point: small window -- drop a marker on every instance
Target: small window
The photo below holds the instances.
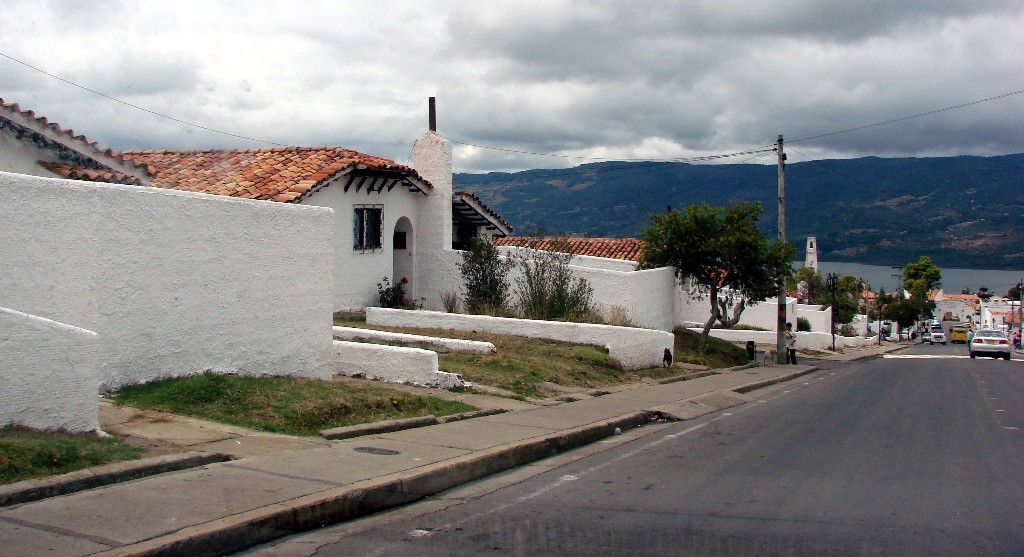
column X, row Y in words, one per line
column 399, row 240
column 368, row 227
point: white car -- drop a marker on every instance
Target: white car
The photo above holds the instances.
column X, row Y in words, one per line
column 937, row 336
column 990, row 342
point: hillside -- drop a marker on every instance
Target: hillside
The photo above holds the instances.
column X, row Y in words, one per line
column 962, row 211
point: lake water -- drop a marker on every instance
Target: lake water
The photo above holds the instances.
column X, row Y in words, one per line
column 953, row 280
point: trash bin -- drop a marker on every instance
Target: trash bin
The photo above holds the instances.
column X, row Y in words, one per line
column 751, row 350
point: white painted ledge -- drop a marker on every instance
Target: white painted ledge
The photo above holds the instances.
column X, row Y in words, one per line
column 393, row 364
column 804, row 340
column 632, row 347
column 437, row 344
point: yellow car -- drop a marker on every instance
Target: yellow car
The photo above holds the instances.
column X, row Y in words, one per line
column 958, row 334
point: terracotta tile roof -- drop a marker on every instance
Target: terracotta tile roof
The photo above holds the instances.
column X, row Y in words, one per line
column 26, row 122
column 969, row 299
column 627, row 249
column 284, row 174
column 89, row 174
column 479, row 206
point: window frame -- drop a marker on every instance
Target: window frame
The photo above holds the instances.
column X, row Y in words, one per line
column 363, row 239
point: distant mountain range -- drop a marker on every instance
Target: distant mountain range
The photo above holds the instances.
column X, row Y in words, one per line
column 961, row 211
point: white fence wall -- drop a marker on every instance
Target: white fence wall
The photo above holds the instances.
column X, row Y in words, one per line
column 804, row 340
column 819, row 319
column 441, row 345
column 174, row 283
column 395, row 364
column 48, row 374
column 633, row 348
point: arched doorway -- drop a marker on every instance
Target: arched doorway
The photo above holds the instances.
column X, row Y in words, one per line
column 402, row 257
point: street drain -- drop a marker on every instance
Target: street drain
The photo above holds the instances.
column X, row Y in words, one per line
column 375, row 450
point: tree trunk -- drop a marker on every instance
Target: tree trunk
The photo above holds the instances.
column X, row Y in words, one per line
column 702, row 344
column 729, row 323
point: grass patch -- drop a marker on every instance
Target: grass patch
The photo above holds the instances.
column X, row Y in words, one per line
column 720, row 353
column 28, row 453
column 281, row 404
column 521, row 363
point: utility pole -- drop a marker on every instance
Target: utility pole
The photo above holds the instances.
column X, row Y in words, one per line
column 781, row 354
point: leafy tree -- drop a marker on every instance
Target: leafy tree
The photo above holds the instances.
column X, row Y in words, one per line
column 816, row 289
column 486, row 277
column 921, row 277
column 984, row 295
column 546, row 287
column 904, row 312
column 1014, row 292
column 722, row 254
column 848, row 292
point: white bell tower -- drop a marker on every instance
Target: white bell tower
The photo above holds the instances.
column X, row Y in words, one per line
column 812, row 253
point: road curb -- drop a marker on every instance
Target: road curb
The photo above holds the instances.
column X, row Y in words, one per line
column 107, row 474
column 777, row 379
column 234, row 533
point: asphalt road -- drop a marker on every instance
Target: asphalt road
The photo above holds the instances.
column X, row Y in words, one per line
column 917, row 454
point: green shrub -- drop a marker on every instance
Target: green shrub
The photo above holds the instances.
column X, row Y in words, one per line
column 392, row 296
column 802, row 324
column 485, row 276
column 547, row 289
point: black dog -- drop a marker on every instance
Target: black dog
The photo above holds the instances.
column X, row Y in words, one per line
column 667, row 359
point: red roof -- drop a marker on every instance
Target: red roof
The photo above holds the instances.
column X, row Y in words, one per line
column 280, row 174
column 89, row 174
column 38, row 127
column 627, row 249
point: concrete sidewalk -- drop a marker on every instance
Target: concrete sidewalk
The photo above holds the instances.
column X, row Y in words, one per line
column 855, row 353
column 223, row 507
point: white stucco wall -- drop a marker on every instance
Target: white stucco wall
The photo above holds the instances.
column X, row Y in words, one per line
column 804, row 340
column 958, row 310
column 359, row 271
column 632, row 347
column 820, row 319
column 437, row 344
column 393, row 364
column 762, row 315
column 48, row 373
column 175, row 283
column 439, row 273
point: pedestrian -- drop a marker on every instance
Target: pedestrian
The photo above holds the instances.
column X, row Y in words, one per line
column 790, row 344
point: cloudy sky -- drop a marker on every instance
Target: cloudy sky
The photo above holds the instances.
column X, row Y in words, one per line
column 586, row 80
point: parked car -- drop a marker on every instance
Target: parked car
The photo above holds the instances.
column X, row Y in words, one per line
column 990, row 342
column 958, row 334
column 937, row 336
column 926, row 336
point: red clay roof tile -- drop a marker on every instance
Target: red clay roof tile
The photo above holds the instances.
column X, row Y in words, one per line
column 627, row 249
column 279, row 174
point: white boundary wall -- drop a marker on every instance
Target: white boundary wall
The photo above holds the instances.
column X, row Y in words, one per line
column 48, row 374
column 632, row 347
column 393, row 364
column 804, row 340
column 175, row 283
column 442, row 345
column 648, row 296
column 820, row 319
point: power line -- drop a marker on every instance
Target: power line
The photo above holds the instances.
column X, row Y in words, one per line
column 894, row 120
column 137, row 107
column 580, row 157
column 508, row 150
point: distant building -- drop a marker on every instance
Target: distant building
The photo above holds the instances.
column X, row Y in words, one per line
column 812, row 253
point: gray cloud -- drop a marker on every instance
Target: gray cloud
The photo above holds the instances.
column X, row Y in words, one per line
column 585, row 78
